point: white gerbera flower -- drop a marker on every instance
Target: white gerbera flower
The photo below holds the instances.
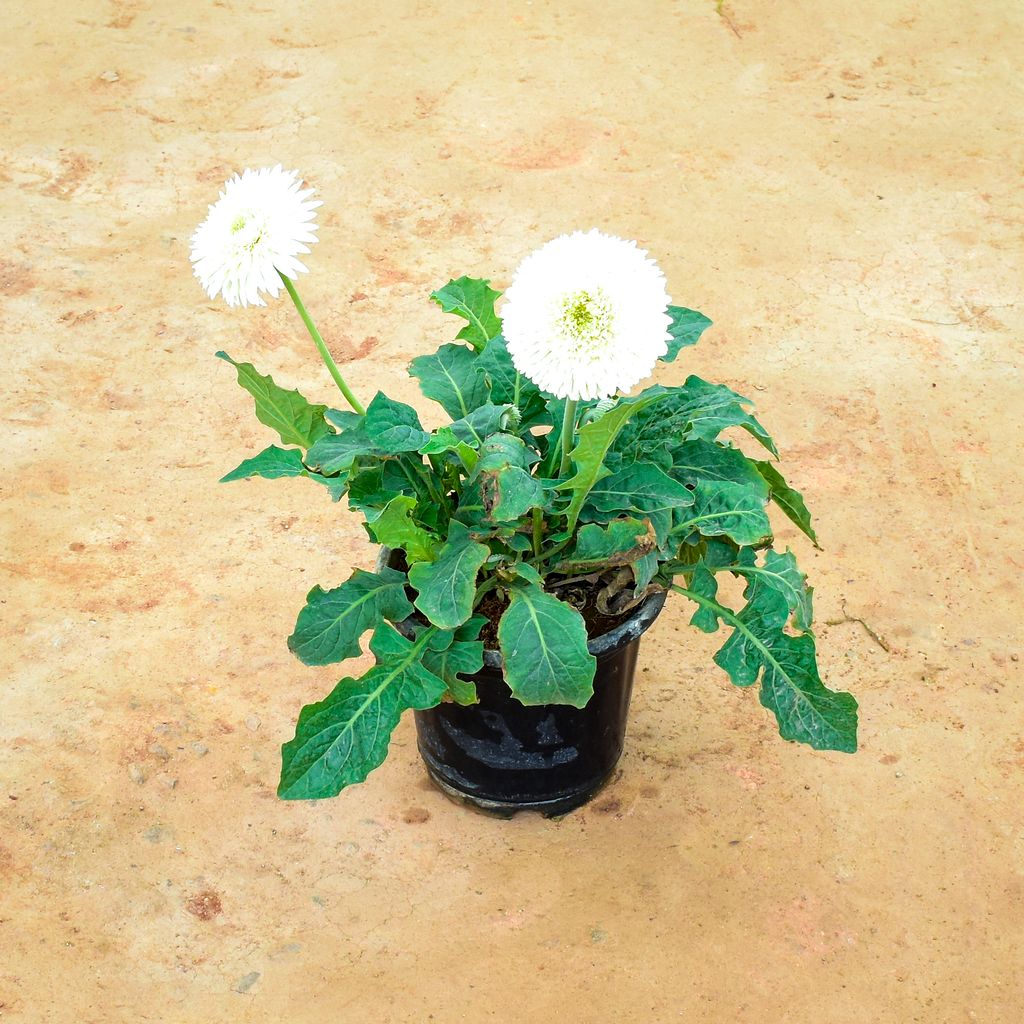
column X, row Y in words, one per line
column 258, row 226
column 585, row 315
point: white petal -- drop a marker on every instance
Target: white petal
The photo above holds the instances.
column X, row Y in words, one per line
column 585, row 315
column 261, row 222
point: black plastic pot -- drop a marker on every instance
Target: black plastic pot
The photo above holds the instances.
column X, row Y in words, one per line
column 501, row 757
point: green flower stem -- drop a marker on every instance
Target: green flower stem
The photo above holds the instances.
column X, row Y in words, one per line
column 538, row 531
column 568, row 435
column 414, row 471
column 436, row 472
column 328, row 359
column 427, row 477
column 537, row 563
column 483, row 590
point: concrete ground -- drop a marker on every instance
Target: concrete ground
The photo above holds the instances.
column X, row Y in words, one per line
column 837, row 185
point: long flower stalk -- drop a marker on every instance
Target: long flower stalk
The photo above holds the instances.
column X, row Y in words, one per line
column 568, row 438
column 325, row 354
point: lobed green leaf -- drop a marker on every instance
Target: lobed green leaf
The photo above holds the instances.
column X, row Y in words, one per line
column 393, row 426
column 329, row 626
column 473, row 300
column 621, row 542
column 341, row 739
column 335, row 453
column 787, row 498
column 641, row 487
column 447, row 586
column 686, row 328
column 452, row 378
column 593, row 443
column 453, row 654
column 274, row 463
column 296, row 421
column 733, row 510
column 394, row 527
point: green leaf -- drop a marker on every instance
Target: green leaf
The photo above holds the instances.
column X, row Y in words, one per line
column 588, row 455
column 705, row 464
column 519, row 542
column 644, row 570
column 525, row 571
column 732, row 510
column 393, row 426
column 272, row 463
column 443, row 440
column 686, row 328
column 394, row 527
column 343, row 419
column 330, row 625
column 340, row 740
column 703, row 582
column 712, row 408
column 473, row 300
column 452, row 654
column 543, row 643
column 446, row 587
column 371, row 487
column 503, row 378
column 501, row 488
column 697, row 409
column 641, row 486
column 779, row 572
column 790, row 684
column 621, row 542
column 452, row 378
column 335, row 453
column 295, row 420
column 483, row 421
column 789, row 500
column 805, row 709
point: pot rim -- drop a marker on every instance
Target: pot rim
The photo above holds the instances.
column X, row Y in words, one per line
column 625, row 633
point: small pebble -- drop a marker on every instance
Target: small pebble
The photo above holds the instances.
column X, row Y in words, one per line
column 200, row 749
column 110, row 76
column 159, row 750
column 137, row 774
column 246, row 983
column 252, row 723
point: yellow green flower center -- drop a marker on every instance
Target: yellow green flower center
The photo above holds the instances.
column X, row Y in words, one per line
column 250, row 224
column 586, row 318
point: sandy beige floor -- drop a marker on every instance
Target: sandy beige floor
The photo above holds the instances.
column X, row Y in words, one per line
column 837, row 185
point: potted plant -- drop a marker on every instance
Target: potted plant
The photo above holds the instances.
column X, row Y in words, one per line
column 529, row 540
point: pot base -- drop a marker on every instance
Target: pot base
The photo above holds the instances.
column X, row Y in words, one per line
column 505, row 809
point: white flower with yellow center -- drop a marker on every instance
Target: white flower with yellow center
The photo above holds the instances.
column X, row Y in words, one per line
column 253, row 234
column 585, row 316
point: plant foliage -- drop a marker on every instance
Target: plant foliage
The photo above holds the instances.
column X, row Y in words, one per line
column 656, row 495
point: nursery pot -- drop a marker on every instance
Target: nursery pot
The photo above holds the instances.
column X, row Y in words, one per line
column 501, row 757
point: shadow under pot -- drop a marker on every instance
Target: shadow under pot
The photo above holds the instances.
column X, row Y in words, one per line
column 500, row 756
